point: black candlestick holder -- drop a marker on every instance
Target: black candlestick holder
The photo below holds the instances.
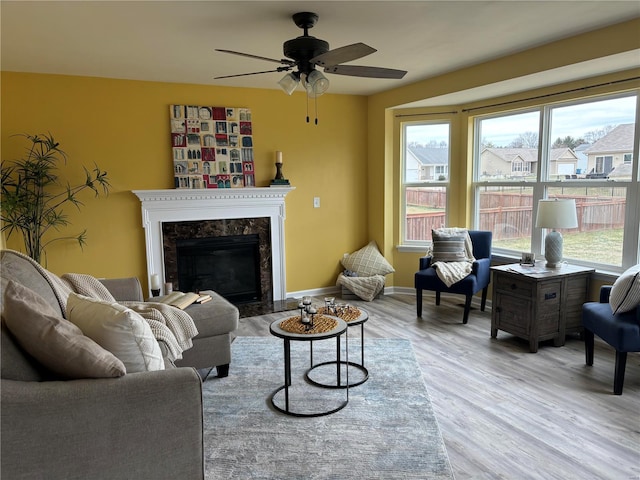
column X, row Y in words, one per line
column 279, row 178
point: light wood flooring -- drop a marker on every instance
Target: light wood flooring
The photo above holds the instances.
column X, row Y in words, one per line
column 506, row 413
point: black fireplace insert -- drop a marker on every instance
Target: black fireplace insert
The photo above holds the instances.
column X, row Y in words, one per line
column 229, row 265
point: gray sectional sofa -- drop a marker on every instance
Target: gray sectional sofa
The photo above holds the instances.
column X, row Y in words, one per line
column 139, row 425
column 215, row 320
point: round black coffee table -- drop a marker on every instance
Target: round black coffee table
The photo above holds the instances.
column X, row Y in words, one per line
column 283, row 405
column 360, row 320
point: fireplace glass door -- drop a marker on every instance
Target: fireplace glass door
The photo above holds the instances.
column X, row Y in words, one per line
column 229, row 265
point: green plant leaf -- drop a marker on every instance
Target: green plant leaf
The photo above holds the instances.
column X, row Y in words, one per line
column 31, row 204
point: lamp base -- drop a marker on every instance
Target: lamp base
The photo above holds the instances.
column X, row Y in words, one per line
column 553, row 249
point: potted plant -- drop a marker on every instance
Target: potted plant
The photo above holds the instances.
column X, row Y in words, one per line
column 33, row 197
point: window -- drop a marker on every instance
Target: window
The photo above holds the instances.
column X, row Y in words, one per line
column 441, row 170
column 604, row 164
column 425, row 179
column 582, row 150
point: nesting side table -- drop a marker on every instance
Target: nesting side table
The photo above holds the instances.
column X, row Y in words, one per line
column 360, row 320
column 538, row 303
column 284, row 406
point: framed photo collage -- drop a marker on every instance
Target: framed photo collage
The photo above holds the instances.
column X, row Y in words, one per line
column 212, row 147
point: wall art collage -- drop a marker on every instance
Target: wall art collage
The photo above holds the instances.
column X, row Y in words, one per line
column 212, row 147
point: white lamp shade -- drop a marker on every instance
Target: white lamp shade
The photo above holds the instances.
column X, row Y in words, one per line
column 316, row 83
column 557, row 214
column 288, row 83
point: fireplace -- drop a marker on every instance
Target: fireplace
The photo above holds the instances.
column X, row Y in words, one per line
column 172, row 215
column 220, row 255
column 229, row 265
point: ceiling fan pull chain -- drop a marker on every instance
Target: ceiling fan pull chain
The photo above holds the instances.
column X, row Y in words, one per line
column 316, row 104
column 307, row 96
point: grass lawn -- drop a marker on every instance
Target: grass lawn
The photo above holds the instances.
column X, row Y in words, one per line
column 423, row 209
column 604, row 246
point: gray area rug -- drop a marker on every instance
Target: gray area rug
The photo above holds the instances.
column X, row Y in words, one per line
column 387, row 430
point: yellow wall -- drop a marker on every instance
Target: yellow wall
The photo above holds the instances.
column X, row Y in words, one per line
column 123, row 126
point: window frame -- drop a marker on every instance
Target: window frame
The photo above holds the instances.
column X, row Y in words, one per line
column 543, row 181
column 404, row 184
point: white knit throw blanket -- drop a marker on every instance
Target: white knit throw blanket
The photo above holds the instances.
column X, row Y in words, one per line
column 452, row 272
column 364, row 287
column 169, row 324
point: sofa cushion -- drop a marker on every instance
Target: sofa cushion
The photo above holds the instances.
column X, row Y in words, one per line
column 15, row 363
column 367, row 261
column 625, row 293
column 56, row 343
column 118, row 329
column 24, row 272
column 217, row 317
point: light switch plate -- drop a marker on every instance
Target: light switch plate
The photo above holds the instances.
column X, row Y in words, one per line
column 316, row 202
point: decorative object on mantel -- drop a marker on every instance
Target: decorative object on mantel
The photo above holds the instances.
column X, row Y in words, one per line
column 212, row 147
column 279, row 179
column 555, row 214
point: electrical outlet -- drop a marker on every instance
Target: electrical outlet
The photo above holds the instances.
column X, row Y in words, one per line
column 316, row 202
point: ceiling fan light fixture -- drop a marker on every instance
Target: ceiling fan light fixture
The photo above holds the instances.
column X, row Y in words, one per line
column 288, row 83
column 316, row 83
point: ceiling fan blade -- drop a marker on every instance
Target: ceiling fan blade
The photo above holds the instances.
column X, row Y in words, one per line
column 343, row 54
column 279, row 69
column 362, row 71
column 257, row 57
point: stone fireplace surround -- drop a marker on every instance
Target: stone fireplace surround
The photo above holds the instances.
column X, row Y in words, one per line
column 162, row 206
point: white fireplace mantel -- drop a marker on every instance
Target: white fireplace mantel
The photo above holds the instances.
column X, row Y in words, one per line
column 160, row 206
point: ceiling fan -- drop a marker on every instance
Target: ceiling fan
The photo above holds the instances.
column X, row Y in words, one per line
column 305, row 53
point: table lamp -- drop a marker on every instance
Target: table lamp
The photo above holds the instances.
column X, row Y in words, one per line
column 555, row 214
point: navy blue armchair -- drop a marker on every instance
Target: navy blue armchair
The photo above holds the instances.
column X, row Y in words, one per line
column 621, row 331
column 479, row 278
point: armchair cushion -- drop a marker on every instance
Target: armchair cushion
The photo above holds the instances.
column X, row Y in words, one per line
column 118, row 329
column 625, row 293
column 451, row 245
column 56, row 343
column 621, row 331
column 368, row 261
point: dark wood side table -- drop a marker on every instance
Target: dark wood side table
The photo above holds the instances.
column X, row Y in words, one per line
column 538, row 303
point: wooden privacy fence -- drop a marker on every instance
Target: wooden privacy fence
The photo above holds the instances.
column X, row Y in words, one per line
column 511, row 216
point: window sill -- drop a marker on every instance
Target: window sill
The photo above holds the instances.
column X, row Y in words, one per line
column 411, row 248
column 606, row 276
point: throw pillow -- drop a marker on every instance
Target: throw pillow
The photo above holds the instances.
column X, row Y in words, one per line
column 367, row 261
column 448, row 246
column 56, row 343
column 625, row 293
column 118, row 329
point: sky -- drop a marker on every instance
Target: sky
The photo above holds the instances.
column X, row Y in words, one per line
column 571, row 120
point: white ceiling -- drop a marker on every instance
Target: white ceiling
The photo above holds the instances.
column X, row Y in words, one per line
column 174, row 41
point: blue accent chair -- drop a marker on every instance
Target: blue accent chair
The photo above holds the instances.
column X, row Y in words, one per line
column 479, row 278
column 621, row 331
